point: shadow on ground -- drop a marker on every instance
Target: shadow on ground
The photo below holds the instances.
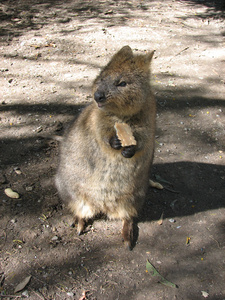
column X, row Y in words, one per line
column 79, row 262
column 36, row 237
column 23, row 16
column 214, row 6
column 37, row 225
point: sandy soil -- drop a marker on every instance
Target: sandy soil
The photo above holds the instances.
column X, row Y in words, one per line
column 50, row 52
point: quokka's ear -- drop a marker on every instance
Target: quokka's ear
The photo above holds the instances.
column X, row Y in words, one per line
column 143, row 61
column 124, row 52
column 148, row 57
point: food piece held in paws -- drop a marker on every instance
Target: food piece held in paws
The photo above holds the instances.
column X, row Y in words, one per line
column 124, row 134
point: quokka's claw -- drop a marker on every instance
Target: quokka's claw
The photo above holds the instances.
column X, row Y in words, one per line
column 128, row 246
column 80, row 226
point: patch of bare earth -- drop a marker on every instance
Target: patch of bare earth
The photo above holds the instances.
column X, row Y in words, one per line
column 50, row 51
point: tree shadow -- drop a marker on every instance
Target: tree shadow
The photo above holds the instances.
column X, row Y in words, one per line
column 83, row 264
column 215, row 9
column 37, row 155
column 23, row 16
column 190, row 188
column 216, row 5
column 20, row 17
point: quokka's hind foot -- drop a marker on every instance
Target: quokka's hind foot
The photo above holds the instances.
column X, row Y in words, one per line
column 80, row 226
column 127, row 233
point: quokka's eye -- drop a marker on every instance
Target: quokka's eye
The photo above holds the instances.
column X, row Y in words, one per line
column 122, row 83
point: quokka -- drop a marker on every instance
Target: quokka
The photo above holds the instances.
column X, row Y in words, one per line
column 96, row 172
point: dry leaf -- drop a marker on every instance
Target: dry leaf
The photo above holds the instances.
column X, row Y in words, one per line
column 160, row 221
column 205, row 294
column 83, row 297
column 22, row 284
column 188, row 240
column 153, row 272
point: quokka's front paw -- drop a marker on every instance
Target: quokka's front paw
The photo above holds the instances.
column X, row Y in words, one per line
column 128, row 151
column 115, row 143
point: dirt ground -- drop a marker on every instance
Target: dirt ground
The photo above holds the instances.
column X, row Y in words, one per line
column 50, row 52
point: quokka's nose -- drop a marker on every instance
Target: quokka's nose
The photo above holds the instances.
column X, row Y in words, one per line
column 99, row 96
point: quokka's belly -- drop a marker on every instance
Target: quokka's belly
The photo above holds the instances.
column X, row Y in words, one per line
column 113, row 190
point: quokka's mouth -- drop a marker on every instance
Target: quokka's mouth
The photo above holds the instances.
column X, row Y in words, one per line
column 100, row 105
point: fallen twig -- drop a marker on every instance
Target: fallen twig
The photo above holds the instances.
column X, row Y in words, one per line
column 181, row 51
column 10, row 296
column 172, row 191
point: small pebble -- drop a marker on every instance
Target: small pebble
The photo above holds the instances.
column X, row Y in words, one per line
column 17, row 171
column 172, row 221
column 29, row 188
column 11, row 194
column 39, row 129
column 25, row 294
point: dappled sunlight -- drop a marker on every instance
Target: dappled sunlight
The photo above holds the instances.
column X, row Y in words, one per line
column 50, row 53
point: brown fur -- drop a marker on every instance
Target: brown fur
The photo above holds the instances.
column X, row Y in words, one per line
column 93, row 176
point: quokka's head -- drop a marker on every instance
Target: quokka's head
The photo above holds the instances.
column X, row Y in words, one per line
column 123, row 86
